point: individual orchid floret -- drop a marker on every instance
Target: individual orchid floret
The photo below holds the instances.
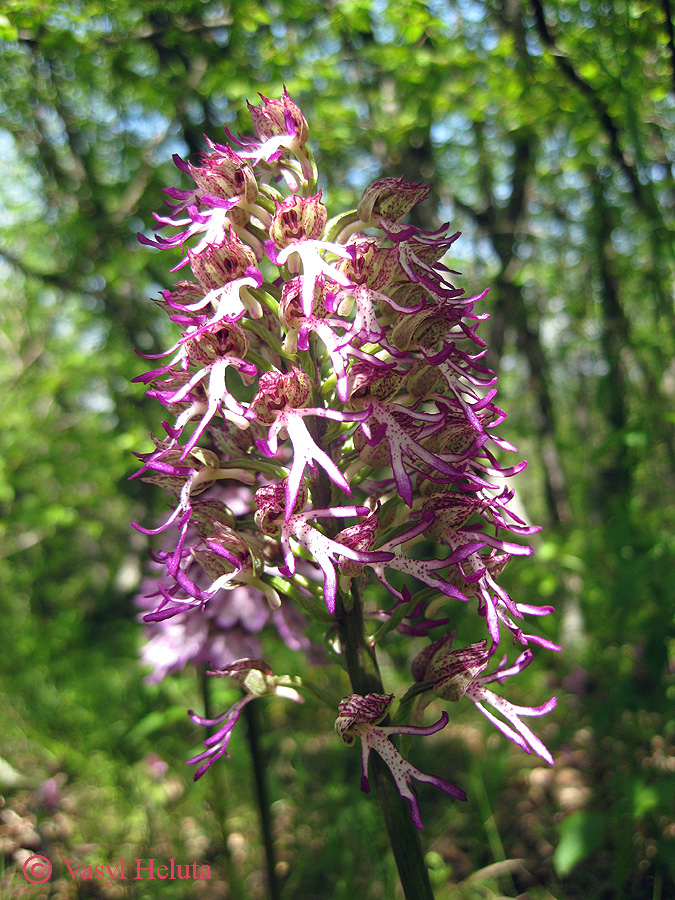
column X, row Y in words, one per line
column 453, row 674
column 257, row 679
column 226, row 558
column 205, row 342
column 366, row 326
column 222, row 174
column 452, row 510
column 229, row 302
column 278, row 404
column 335, row 334
column 400, row 432
column 358, row 717
column 419, row 255
column 326, row 551
column 280, row 128
column 211, row 226
column 234, row 558
column 223, row 347
column 281, row 117
column 298, row 218
column 226, row 197
column 449, row 672
column 428, row 327
column 475, row 574
column 425, row 570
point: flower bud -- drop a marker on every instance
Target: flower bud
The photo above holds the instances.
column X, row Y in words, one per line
column 279, row 117
column 390, row 199
column 253, row 675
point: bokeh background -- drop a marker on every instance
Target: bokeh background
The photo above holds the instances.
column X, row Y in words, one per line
column 546, row 130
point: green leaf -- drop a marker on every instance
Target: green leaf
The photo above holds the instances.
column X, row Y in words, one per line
column 645, row 798
column 8, row 32
column 580, row 835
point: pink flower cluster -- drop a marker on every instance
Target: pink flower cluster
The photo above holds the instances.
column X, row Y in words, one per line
column 330, row 373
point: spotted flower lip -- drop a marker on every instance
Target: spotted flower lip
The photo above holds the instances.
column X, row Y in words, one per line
column 453, row 674
column 358, row 717
column 305, row 449
column 325, row 551
column 314, row 265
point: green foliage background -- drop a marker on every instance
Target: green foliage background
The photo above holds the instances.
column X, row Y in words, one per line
column 546, row 131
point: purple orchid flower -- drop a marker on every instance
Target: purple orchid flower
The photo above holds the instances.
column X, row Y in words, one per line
column 258, row 680
column 358, row 717
column 321, row 359
column 453, row 674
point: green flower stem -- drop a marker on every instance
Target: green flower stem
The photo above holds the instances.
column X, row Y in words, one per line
column 262, row 798
column 364, row 675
